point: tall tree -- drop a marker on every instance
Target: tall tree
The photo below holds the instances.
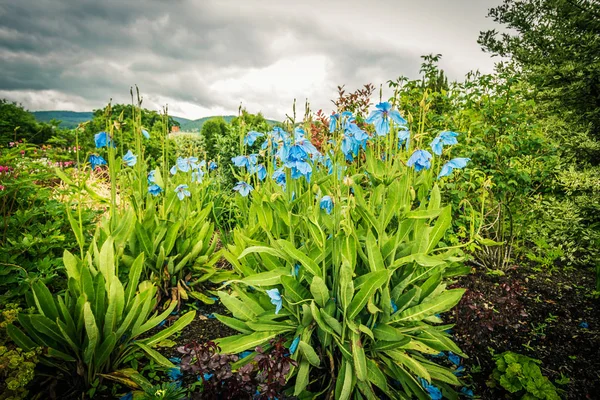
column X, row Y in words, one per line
column 556, row 45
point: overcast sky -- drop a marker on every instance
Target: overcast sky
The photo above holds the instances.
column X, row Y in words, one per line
column 206, row 57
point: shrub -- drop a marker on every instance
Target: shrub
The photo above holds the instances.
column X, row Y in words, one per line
column 339, row 254
column 520, row 374
column 91, row 329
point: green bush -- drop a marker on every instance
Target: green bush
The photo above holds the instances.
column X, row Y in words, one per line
column 354, row 284
column 34, row 227
column 16, row 366
column 91, row 329
column 522, row 375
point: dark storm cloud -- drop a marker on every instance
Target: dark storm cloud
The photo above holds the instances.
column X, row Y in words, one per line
column 179, row 49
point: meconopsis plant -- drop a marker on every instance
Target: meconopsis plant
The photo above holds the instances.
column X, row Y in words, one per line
column 343, row 251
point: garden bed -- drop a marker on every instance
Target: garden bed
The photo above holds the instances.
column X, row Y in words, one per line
column 550, row 317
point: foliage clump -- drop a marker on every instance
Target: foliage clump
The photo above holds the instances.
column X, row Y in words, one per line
column 522, row 375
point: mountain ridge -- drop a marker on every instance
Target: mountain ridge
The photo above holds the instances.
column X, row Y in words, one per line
column 71, row 119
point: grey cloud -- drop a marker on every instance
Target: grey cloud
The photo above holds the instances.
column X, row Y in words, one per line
column 177, row 49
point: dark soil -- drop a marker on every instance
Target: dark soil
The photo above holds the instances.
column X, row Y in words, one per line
column 203, row 328
column 537, row 314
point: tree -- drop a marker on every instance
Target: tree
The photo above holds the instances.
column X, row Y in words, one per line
column 556, row 45
column 212, row 130
column 16, row 123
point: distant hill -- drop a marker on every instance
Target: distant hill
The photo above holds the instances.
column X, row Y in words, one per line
column 196, row 125
column 181, row 120
column 70, row 119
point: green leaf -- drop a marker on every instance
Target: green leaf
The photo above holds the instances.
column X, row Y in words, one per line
column 155, row 355
column 21, row 339
column 310, row 354
column 134, row 278
column 375, row 258
column 375, row 375
column 360, row 299
column 319, row 290
column 238, row 343
column 105, row 350
column 93, row 335
column 236, row 307
column 130, row 378
column 294, row 290
column 295, row 254
column 107, row 260
column 347, row 382
column 44, row 300
column 441, row 303
column 269, row 278
column 181, row 323
column 439, row 229
column 171, row 236
column 410, row 363
column 302, row 377
column 261, row 249
column 233, row 323
column 358, row 355
column 71, row 264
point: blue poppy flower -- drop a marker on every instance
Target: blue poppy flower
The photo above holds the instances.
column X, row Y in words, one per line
column 182, row 191
column 453, row 164
column 307, row 146
column 295, row 270
column 459, row 371
column 381, row 118
column 175, row 360
column 187, row 164
column 433, row 391
column 294, row 345
column 453, row 358
column 584, row 325
column 207, row 376
column 174, row 373
column 197, row 175
column 466, row 391
column 244, row 354
column 333, row 119
column 326, row 204
column 444, row 138
column 296, row 153
column 251, row 137
column 212, row 165
column 130, row 159
column 278, row 134
column 145, row 134
column 154, row 190
column 279, row 177
column 354, row 139
column 151, row 177
column 300, row 169
column 245, row 161
column 243, row 188
column 275, row 299
column 394, row 306
column 127, row 396
column 96, row 161
column 173, row 170
column 102, row 139
column 420, row 159
column 403, row 137
column 261, row 172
